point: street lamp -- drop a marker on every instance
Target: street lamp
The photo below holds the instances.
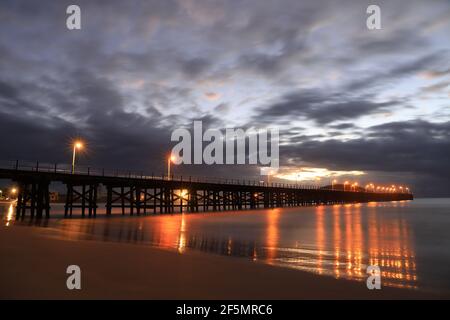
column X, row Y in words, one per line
column 170, row 159
column 77, row 145
column 332, row 184
column 13, row 192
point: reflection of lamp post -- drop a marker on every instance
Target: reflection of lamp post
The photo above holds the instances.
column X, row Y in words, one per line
column 76, row 145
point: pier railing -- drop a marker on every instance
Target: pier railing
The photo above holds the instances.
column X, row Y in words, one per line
column 64, row 168
column 135, row 192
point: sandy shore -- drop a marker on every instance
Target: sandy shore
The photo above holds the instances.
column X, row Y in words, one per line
column 33, row 266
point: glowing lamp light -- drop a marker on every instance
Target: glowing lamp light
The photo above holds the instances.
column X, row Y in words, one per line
column 78, row 145
column 171, row 159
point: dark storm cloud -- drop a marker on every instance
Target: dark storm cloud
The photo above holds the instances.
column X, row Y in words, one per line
column 7, row 91
column 345, row 125
column 114, row 136
column 270, row 64
column 400, row 41
column 196, row 66
column 419, row 149
column 399, row 146
column 385, row 76
column 322, row 109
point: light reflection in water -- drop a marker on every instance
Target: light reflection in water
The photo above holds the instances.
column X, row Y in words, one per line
column 182, row 237
column 9, row 215
column 320, row 229
column 272, row 235
column 338, row 240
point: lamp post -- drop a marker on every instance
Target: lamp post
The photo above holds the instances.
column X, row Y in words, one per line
column 170, row 159
column 13, row 192
column 76, row 145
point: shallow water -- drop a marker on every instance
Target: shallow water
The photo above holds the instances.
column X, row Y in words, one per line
column 408, row 240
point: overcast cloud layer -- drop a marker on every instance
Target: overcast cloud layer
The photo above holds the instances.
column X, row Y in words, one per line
column 345, row 98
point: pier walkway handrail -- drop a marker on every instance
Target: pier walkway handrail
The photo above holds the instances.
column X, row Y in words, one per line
column 82, row 170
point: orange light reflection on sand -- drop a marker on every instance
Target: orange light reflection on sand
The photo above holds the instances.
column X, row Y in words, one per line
column 272, row 234
column 320, row 237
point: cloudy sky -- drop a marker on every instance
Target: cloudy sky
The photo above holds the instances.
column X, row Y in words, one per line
column 350, row 103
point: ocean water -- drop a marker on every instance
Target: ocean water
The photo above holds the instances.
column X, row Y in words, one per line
column 408, row 240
